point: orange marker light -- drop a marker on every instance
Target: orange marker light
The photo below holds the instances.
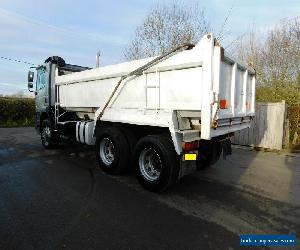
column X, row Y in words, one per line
column 224, row 104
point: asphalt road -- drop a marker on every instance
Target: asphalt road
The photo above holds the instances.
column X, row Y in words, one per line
column 59, row 199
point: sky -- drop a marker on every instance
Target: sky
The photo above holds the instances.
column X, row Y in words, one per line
column 32, row 31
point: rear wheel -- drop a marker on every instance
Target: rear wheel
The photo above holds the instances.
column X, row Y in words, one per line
column 48, row 138
column 112, row 151
column 156, row 162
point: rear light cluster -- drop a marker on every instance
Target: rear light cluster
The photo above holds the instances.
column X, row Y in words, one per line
column 188, row 146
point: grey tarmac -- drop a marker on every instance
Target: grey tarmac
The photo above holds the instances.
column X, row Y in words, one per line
column 59, row 199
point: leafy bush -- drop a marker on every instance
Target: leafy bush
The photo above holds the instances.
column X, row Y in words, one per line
column 293, row 115
column 276, row 93
column 15, row 112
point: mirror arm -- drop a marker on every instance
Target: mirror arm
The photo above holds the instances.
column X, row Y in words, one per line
column 32, row 91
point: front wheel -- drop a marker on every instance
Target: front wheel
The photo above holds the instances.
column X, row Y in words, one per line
column 156, row 161
column 48, row 138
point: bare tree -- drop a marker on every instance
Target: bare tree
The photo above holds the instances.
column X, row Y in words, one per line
column 282, row 52
column 223, row 32
column 166, row 27
column 248, row 48
column 277, row 58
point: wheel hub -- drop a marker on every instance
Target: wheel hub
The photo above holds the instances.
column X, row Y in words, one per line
column 46, row 135
column 150, row 164
column 107, row 151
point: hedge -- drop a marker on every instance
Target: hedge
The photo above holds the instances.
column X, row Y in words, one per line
column 16, row 112
column 293, row 115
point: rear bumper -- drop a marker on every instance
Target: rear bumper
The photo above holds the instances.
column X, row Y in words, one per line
column 226, row 128
column 190, row 166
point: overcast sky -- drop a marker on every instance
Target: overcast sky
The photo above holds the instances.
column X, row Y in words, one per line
column 75, row 30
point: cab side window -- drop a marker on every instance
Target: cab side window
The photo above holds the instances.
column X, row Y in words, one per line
column 41, row 79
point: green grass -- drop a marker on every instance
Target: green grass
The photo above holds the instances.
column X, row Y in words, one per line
column 19, row 123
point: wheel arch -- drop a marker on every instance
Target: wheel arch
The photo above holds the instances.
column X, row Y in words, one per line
column 44, row 116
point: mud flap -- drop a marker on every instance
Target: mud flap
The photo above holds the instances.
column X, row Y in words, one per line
column 186, row 168
column 226, row 147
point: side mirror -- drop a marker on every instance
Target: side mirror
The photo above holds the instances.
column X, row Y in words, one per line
column 30, row 77
column 30, row 85
column 30, row 81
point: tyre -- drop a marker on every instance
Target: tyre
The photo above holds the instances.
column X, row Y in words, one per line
column 209, row 154
column 156, row 162
column 48, row 138
column 112, row 151
column 130, row 138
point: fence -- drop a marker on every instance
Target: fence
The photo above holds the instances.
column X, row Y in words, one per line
column 268, row 129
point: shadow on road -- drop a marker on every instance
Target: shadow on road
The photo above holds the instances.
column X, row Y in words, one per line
column 250, row 192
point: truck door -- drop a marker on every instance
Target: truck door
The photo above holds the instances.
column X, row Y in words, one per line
column 42, row 99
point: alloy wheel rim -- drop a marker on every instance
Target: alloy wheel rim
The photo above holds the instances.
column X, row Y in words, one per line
column 150, row 164
column 107, row 151
column 46, row 135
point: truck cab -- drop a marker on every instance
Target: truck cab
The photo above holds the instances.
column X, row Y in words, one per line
column 44, row 89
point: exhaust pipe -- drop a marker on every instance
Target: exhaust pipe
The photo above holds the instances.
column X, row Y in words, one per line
column 98, row 59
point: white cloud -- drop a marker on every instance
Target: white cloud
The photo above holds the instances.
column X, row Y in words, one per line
column 33, row 30
column 48, row 33
column 32, row 40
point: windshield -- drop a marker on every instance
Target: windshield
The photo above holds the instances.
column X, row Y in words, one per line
column 41, row 79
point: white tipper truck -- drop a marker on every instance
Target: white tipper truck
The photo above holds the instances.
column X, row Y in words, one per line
column 164, row 116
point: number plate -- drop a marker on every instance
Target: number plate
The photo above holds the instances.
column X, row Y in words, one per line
column 190, row 157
